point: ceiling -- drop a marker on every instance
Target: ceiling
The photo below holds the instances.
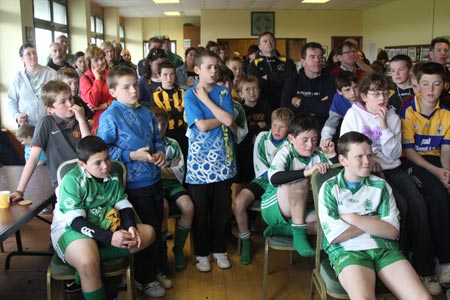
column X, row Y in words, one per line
column 192, row 8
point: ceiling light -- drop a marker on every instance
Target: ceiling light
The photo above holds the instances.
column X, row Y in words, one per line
column 166, row 1
column 172, row 13
column 315, row 1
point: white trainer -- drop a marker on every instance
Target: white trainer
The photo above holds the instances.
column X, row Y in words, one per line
column 152, row 289
column 431, row 283
column 203, row 264
column 164, row 281
column 221, row 260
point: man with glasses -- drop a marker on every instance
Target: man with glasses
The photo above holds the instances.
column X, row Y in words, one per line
column 348, row 56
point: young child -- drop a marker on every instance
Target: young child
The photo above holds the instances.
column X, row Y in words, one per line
column 257, row 111
column 172, row 175
column 170, row 97
column 57, row 134
column 24, row 134
column 284, row 205
column 346, row 94
column 70, row 76
column 131, row 133
column 266, row 144
column 401, row 66
column 426, row 145
column 360, row 222
column 211, row 162
column 236, row 65
column 372, row 116
column 94, row 217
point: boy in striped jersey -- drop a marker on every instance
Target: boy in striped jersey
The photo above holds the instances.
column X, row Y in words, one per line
column 360, row 222
column 284, row 205
column 266, row 144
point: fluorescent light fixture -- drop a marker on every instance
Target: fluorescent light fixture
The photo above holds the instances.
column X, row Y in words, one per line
column 315, row 1
column 166, row 1
column 172, row 13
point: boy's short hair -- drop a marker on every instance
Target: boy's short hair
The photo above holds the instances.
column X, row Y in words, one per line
column 231, row 59
column 25, row 131
column 430, row 68
column 282, row 114
column 51, row 90
column 211, row 44
column 66, row 73
column 345, row 78
column 118, row 72
column 349, row 138
column 310, row 45
column 225, row 75
column 186, row 52
column 23, row 47
column 303, row 122
column 415, row 69
column 204, row 53
column 77, row 55
column 160, row 114
column 373, row 81
column 165, row 65
column 438, row 40
column 340, row 47
column 247, row 79
column 89, row 146
column 405, row 58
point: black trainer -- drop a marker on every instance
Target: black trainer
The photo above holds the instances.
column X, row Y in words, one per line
column 70, row 286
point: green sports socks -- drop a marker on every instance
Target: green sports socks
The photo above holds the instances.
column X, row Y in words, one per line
column 301, row 243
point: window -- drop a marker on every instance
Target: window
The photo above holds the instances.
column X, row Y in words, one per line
column 50, row 21
column 97, row 35
column 122, row 35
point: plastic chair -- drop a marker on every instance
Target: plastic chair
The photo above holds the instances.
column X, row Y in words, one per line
column 323, row 279
column 58, row 270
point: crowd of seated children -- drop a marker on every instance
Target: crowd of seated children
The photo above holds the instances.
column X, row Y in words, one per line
column 375, row 118
column 266, row 145
column 360, row 222
column 284, row 204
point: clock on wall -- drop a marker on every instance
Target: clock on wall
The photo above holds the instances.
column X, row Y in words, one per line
column 263, row 22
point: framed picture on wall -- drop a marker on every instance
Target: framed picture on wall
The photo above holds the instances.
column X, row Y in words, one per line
column 262, row 22
column 29, row 34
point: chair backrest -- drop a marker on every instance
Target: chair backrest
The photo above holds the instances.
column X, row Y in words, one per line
column 116, row 168
column 317, row 179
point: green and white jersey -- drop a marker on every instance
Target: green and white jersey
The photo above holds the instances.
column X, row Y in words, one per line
column 81, row 195
column 173, row 151
column 241, row 121
column 264, row 151
column 287, row 159
column 372, row 197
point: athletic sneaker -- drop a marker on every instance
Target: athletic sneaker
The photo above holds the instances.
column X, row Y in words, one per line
column 221, row 260
column 70, row 286
column 203, row 264
column 432, row 285
column 444, row 274
column 164, row 281
column 152, row 289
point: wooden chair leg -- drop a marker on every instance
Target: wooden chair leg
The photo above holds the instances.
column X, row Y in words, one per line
column 266, row 268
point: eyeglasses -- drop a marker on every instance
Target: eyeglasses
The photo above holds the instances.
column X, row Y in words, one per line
column 350, row 52
column 378, row 94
